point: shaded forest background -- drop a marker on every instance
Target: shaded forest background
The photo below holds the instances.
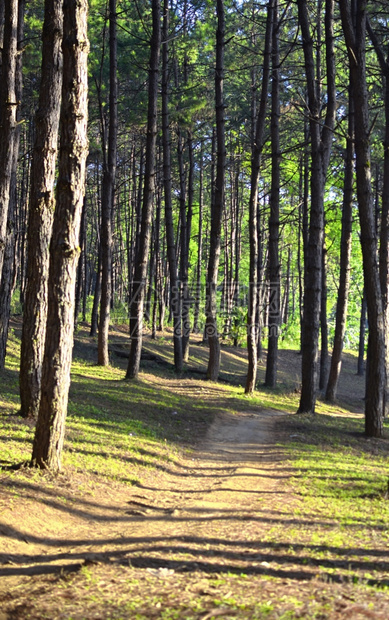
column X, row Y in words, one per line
column 273, row 86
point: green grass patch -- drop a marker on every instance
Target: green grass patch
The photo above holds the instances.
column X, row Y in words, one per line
column 113, row 426
column 342, row 479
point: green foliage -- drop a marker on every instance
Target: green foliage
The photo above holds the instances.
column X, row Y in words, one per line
column 191, row 110
column 290, row 334
column 16, row 306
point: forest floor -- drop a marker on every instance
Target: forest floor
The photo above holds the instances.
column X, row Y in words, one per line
column 182, row 498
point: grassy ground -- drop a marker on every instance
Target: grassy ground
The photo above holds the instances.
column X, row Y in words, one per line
column 141, row 525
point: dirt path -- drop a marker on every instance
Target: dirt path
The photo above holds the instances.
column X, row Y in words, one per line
column 193, row 536
column 223, row 480
column 241, row 438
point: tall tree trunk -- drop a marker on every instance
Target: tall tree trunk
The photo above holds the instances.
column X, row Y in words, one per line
column 320, row 153
column 2, row 11
column 237, row 256
column 21, row 215
column 253, row 337
column 152, row 270
column 274, row 220
column 196, row 326
column 345, row 266
column 108, row 192
column 286, row 298
column 7, row 275
column 218, row 203
column 167, row 181
column 136, row 207
column 303, row 225
column 186, row 301
column 375, row 376
column 384, row 244
column 64, row 250
column 8, row 112
column 384, row 234
column 9, row 263
column 362, row 332
column 261, row 284
column 96, row 296
column 155, row 281
column 140, row 273
column 81, row 285
column 163, row 294
column 41, row 210
column 96, row 264
column 323, row 321
column 184, row 249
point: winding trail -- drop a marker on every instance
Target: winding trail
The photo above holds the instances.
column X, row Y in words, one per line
column 221, row 493
column 223, row 515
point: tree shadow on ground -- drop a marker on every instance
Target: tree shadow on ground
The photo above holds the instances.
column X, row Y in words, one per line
column 206, row 555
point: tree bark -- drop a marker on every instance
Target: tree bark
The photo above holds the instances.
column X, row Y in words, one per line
column 64, row 250
column 286, row 297
column 274, row 220
column 236, row 270
column 157, row 289
column 323, row 321
column 151, row 268
column 196, row 326
column 8, row 112
column 167, row 181
column 261, row 283
column 41, row 211
column 362, row 332
column 96, row 296
column 183, row 249
column 253, row 337
column 186, row 298
column 9, row 263
column 140, row 273
column 384, row 233
column 108, row 193
column 320, row 153
column 2, row 11
column 355, row 37
column 81, row 281
column 303, row 225
column 345, row 267
column 218, row 203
